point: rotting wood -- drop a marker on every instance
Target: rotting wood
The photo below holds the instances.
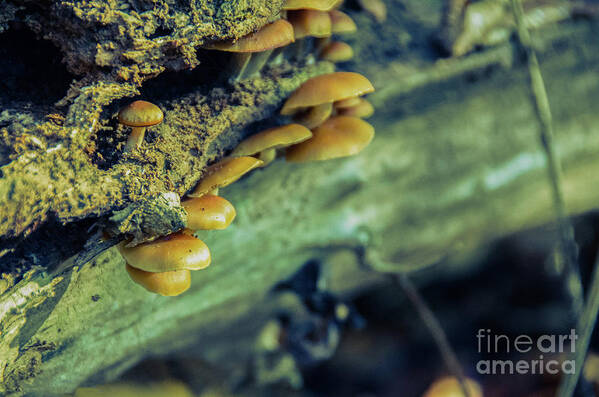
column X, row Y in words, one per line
column 442, row 175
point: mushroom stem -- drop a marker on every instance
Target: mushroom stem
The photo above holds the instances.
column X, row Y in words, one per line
column 239, row 63
column 135, row 138
column 320, row 43
column 267, row 155
column 254, row 64
column 315, row 115
column 277, row 56
column 297, row 50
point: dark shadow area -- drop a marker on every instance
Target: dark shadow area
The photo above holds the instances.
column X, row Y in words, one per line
column 31, row 70
column 49, row 245
column 211, row 72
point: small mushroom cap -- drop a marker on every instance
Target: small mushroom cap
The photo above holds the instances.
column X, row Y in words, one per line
column 376, row 8
column 339, row 136
column 327, row 88
column 320, row 5
column 314, row 116
column 274, row 35
column 140, row 114
column 273, row 138
column 347, row 103
column 449, row 386
column 341, row 22
column 165, row 283
column 310, row 23
column 176, row 251
column 363, row 109
column 224, row 173
column 208, row 212
column 337, row 51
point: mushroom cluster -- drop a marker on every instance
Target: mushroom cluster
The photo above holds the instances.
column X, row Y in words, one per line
column 326, row 111
column 163, row 266
column 343, row 134
column 320, row 20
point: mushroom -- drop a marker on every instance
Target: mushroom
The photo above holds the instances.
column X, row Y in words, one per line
column 341, row 22
column 376, row 8
column 176, row 251
column 320, row 5
column 165, row 283
column 266, row 143
column 209, row 212
column 314, row 116
column 347, row 103
column 449, row 386
column 310, row 23
column 337, row 51
column 246, row 62
column 139, row 115
column 339, row 136
column 363, row 109
column 224, row 173
column 327, row 88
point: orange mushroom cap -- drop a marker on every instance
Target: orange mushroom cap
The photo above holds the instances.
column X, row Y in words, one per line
column 339, row 136
column 272, row 138
column 320, row 5
column 209, row 212
column 165, row 283
column 363, row 109
column 337, row 51
column 327, row 88
column 274, row 35
column 449, row 386
column 176, row 251
column 310, row 23
column 341, row 22
column 224, row 173
column 315, row 116
column 140, row 114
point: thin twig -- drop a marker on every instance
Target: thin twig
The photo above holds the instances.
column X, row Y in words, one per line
column 430, row 320
column 371, row 260
column 543, row 111
column 584, row 330
column 586, row 318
